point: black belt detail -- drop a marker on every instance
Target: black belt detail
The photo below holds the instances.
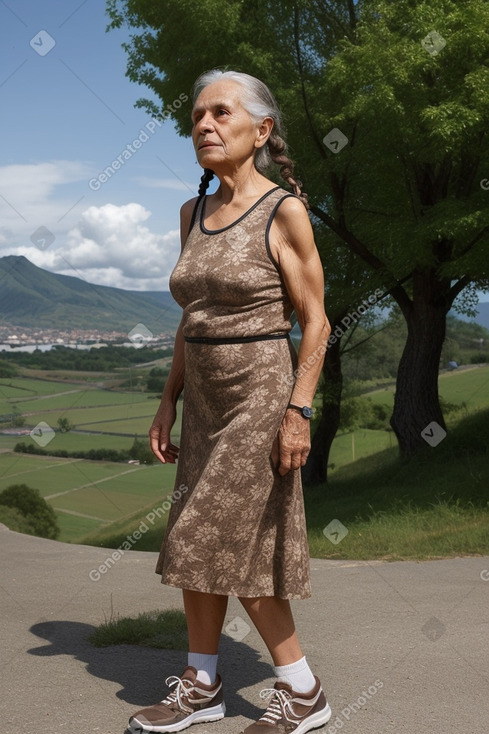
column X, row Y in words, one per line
column 233, row 339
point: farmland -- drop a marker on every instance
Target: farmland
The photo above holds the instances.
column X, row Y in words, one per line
column 89, row 495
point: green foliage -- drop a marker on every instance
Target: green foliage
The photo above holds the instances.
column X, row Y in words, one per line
column 103, row 454
column 64, row 425
column 156, row 379
column 104, row 359
column 141, row 451
column 7, row 369
column 39, row 515
column 15, row 520
column 363, row 413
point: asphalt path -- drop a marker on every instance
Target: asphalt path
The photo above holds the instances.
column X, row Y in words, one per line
column 399, row 647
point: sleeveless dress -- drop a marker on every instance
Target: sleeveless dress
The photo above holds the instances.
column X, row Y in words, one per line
column 236, row 526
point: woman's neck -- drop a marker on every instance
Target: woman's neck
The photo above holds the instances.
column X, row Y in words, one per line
column 241, row 184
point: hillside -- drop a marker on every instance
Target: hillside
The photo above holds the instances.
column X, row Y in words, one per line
column 482, row 317
column 32, row 297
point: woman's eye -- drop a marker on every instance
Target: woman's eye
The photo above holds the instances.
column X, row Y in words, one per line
column 222, row 112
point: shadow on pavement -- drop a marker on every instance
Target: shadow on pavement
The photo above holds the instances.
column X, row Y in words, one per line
column 141, row 671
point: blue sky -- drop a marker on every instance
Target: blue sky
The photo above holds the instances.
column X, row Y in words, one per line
column 65, row 116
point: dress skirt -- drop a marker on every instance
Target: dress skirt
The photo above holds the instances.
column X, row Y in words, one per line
column 236, row 526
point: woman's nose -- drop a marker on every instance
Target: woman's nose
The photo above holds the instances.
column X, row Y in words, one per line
column 205, row 124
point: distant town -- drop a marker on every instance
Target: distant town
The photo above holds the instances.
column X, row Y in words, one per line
column 24, row 338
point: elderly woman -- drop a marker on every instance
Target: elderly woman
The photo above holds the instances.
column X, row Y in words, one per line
column 237, row 523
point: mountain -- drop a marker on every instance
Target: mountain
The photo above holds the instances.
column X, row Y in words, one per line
column 32, row 297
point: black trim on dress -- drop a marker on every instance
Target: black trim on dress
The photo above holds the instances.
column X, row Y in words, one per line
column 267, row 230
column 234, row 339
column 204, row 230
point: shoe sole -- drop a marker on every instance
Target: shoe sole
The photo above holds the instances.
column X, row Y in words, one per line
column 214, row 713
column 314, row 721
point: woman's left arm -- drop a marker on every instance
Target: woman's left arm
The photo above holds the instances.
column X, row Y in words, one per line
column 292, row 245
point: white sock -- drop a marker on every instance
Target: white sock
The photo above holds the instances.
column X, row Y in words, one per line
column 206, row 666
column 298, row 674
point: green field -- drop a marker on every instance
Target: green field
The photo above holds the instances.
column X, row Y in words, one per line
column 467, row 387
column 88, row 496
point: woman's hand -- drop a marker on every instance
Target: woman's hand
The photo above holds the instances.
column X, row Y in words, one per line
column 293, row 442
column 159, row 434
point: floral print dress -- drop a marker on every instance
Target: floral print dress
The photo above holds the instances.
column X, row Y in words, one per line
column 236, row 526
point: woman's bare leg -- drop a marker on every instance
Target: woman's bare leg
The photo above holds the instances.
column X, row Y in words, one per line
column 273, row 619
column 205, row 616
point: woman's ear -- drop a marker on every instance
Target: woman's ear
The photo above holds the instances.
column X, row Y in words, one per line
column 263, row 132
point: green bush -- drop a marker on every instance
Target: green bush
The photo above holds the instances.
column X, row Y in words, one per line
column 91, row 454
column 361, row 412
column 34, row 508
column 141, row 452
column 7, row 369
column 14, row 520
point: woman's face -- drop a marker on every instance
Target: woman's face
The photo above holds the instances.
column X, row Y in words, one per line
column 223, row 134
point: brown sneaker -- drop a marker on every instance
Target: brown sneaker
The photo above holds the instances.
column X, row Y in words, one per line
column 189, row 703
column 291, row 713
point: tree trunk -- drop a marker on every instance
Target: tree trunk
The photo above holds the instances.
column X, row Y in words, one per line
column 416, row 403
column 316, row 469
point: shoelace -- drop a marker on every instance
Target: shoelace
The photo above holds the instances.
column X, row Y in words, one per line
column 183, row 688
column 278, row 706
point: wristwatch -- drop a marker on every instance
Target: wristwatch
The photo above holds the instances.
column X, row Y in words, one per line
column 306, row 411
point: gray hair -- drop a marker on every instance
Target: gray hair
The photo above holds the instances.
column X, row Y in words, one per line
column 257, row 100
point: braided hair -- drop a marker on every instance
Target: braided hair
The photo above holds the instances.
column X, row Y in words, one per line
column 259, row 103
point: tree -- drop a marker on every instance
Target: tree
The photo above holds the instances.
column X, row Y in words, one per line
column 7, row 370
column 40, row 516
column 15, row 520
column 140, row 451
column 388, row 127
column 64, row 425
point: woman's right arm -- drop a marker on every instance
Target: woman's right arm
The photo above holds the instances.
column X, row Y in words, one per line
column 159, row 433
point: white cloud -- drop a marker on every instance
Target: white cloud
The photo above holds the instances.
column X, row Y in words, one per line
column 111, row 245
column 27, row 200
column 108, row 245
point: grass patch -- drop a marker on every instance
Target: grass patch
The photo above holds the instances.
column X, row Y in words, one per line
column 434, row 506
column 114, row 535
column 161, row 629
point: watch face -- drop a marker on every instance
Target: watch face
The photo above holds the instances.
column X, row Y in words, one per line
column 307, row 412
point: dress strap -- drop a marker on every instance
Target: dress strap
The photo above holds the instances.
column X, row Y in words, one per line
column 194, row 213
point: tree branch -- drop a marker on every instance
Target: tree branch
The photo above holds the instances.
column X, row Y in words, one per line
column 458, row 287
column 317, row 141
